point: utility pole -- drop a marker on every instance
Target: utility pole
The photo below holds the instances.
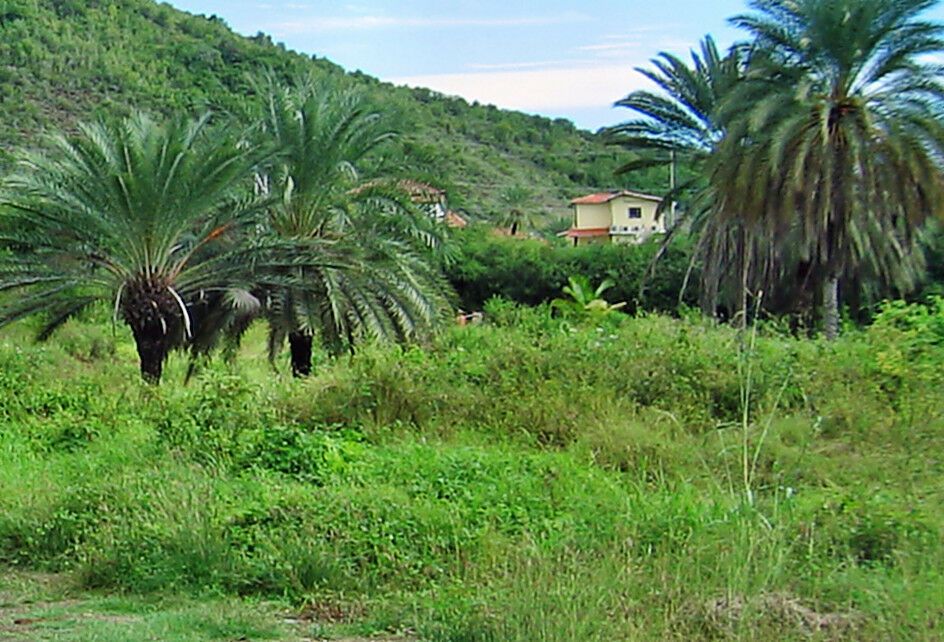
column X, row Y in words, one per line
column 672, row 187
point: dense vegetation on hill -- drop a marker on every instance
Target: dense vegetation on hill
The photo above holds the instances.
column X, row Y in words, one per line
column 61, row 60
column 527, row 479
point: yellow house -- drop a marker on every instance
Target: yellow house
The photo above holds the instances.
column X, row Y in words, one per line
column 615, row 217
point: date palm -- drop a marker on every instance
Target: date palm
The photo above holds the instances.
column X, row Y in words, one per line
column 138, row 214
column 681, row 120
column 389, row 288
column 681, row 117
column 516, row 199
column 835, row 137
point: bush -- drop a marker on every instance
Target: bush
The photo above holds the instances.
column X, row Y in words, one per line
column 532, row 272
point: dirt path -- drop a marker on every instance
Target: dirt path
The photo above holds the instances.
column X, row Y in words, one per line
column 36, row 607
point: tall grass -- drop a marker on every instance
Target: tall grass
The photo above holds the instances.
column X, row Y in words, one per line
column 520, row 480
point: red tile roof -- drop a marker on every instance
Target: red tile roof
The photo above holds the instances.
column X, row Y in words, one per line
column 587, row 232
column 422, row 192
column 455, row 220
column 593, row 199
column 606, row 197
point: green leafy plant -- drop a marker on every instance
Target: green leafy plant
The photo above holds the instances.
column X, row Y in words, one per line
column 586, row 302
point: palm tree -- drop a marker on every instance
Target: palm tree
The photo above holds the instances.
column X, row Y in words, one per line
column 516, row 199
column 835, row 138
column 388, row 289
column 681, row 123
column 142, row 215
column 682, row 118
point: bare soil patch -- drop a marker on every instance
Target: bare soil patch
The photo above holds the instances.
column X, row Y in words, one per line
column 780, row 611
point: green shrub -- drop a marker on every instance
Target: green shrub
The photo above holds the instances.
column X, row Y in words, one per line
column 908, row 344
column 212, row 420
column 532, row 272
column 870, row 529
column 301, row 454
column 88, row 343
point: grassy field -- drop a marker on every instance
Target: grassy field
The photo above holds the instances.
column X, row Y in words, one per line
column 527, row 479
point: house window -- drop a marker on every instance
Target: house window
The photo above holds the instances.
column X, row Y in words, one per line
column 635, row 212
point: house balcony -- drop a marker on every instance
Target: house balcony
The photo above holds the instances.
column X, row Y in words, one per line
column 626, row 230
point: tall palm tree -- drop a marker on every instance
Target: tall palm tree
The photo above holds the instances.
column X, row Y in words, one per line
column 681, row 118
column 136, row 213
column 681, row 123
column 389, row 289
column 835, row 138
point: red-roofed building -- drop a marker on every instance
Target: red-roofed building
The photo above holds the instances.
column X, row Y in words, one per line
column 588, row 233
column 432, row 199
column 454, row 219
column 621, row 216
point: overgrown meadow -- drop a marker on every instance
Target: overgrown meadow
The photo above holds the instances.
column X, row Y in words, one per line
column 525, row 479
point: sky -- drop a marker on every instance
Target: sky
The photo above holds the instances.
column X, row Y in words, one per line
column 558, row 58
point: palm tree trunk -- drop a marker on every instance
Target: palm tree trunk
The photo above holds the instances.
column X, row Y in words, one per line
column 299, row 345
column 153, row 316
column 152, row 348
column 708, row 296
column 831, row 307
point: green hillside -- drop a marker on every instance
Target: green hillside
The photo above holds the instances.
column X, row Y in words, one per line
column 64, row 60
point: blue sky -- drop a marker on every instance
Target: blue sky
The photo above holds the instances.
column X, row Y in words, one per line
column 553, row 57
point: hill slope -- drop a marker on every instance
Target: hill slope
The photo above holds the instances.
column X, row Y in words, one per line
column 64, row 60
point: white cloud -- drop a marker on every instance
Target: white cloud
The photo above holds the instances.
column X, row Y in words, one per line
column 612, row 46
column 364, row 22
column 637, row 32
column 513, row 66
column 546, row 90
column 625, row 49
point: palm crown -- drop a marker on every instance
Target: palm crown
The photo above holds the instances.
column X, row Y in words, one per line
column 136, row 213
column 834, row 139
column 683, row 117
column 387, row 288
